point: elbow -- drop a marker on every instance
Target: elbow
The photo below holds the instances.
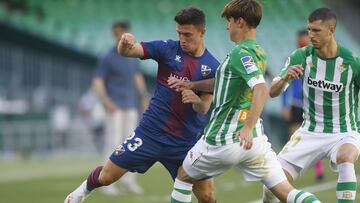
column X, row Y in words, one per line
column 273, row 93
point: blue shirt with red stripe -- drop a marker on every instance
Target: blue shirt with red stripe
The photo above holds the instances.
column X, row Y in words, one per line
column 167, row 119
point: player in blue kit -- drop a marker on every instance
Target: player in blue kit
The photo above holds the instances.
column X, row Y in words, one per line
column 174, row 121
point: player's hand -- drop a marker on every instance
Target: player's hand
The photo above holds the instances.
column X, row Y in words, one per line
column 286, row 112
column 109, row 106
column 179, row 85
column 188, row 96
column 294, row 72
column 127, row 41
column 245, row 135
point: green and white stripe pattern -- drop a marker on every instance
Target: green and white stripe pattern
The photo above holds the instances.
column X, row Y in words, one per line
column 330, row 90
column 233, row 93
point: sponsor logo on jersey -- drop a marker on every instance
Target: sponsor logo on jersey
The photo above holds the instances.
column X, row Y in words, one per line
column 172, row 75
column 178, row 58
column 249, row 64
column 205, row 70
column 324, row 85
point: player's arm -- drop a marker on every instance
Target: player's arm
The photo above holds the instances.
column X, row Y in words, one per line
column 201, row 85
column 279, row 83
column 292, row 70
column 201, row 104
column 99, row 87
column 129, row 47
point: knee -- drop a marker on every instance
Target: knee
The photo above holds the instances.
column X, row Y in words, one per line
column 347, row 154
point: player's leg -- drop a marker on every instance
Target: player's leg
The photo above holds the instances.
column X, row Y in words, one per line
column 347, row 183
column 280, row 186
column 194, row 175
column 129, row 119
column 204, row 191
column 113, row 132
column 286, row 193
column 100, row 176
column 137, row 153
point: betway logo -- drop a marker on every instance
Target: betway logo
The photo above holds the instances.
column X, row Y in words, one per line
column 324, row 85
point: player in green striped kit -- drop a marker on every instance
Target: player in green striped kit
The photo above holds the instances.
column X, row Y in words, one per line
column 234, row 135
column 330, row 75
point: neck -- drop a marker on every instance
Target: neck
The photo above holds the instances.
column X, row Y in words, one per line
column 330, row 50
column 249, row 34
column 199, row 51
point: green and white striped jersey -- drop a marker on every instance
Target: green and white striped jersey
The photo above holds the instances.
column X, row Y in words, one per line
column 241, row 70
column 330, row 89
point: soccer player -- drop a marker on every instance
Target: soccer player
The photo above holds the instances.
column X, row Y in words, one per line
column 234, row 135
column 330, row 76
column 173, row 122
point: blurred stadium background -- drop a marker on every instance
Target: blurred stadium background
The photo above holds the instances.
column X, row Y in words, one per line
column 48, row 51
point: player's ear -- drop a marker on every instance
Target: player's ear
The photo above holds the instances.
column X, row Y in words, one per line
column 203, row 32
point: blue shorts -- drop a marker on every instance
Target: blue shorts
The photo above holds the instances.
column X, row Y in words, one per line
column 140, row 151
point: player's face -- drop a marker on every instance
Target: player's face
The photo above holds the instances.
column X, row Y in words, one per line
column 190, row 37
column 231, row 27
column 320, row 33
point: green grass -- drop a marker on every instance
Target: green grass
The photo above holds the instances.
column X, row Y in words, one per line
column 50, row 181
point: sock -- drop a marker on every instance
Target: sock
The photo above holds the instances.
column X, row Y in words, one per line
column 93, row 179
column 319, row 168
column 268, row 196
column 297, row 196
column 346, row 186
column 181, row 192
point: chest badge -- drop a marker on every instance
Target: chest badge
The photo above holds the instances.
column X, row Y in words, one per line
column 178, row 58
column 205, row 70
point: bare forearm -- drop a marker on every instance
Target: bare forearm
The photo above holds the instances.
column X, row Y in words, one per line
column 99, row 87
column 204, row 85
column 204, row 105
column 277, row 87
column 260, row 94
column 140, row 84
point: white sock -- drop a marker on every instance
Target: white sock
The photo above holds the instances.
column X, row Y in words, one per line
column 297, row 196
column 181, row 192
column 347, row 183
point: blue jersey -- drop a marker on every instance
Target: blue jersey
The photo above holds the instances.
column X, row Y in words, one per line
column 166, row 114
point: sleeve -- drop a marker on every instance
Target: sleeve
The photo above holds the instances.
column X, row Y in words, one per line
column 155, row 49
column 294, row 59
column 357, row 76
column 246, row 67
column 101, row 67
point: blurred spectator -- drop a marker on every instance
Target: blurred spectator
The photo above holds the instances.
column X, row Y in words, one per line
column 116, row 81
column 93, row 116
column 292, row 104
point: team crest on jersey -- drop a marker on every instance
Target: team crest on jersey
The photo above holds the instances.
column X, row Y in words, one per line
column 119, row 150
column 249, row 64
column 342, row 67
column 205, row 70
column 178, row 58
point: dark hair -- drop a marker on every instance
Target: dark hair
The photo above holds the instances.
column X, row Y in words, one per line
column 324, row 14
column 302, row 32
column 249, row 10
column 190, row 16
column 121, row 24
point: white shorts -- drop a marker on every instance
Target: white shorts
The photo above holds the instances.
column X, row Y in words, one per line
column 258, row 163
column 306, row 148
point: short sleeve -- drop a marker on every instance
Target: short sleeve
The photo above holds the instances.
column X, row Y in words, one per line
column 102, row 67
column 155, row 49
column 294, row 59
column 246, row 67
